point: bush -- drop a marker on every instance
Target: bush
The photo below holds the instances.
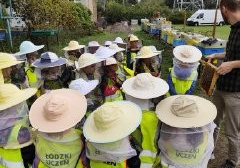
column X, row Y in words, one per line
column 177, row 17
column 116, row 12
column 53, row 14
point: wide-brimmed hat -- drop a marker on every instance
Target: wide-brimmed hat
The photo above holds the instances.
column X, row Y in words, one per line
column 116, row 48
column 8, row 60
column 119, row 40
column 145, row 52
column 187, row 53
column 11, row 95
column 104, row 52
column 87, row 59
column 154, row 50
column 186, row 111
column 27, row 47
column 112, row 121
column 73, row 45
column 58, row 110
column 83, row 86
column 93, row 44
column 49, row 59
column 134, row 38
column 108, row 43
column 145, row 86
column 110, row 61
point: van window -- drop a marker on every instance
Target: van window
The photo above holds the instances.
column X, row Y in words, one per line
column 200, row 16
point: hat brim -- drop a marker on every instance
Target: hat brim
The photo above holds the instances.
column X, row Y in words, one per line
column 197, row 54
column 147, row 56
column 120, row 49
column 130, row 121
column 92, row 85
column 73, row 48
column 161, row 88
column 17, row 98
column 106, row 54
column 9, row 64
column 207, row 113
column 89, row 63
column 158, row 52
column 31, row 50
column 119, row 42
column 41, row 65
column 76, row 110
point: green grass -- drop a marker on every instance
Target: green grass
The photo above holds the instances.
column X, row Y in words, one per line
column 101, row 37
column 222, row 32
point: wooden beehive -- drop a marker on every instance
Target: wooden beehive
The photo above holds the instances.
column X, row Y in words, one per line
column 209, row 77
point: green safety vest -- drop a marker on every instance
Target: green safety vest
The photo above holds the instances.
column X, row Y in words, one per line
column 123, row 72
column 116, row 96
column 11, row 158
column 32, row 79
column 191, row 157
column 101, row 164
column 60, row 154
column 10, row 154
column 13, row 137
column 133, row 55
column 149, row 127
column 182, row 86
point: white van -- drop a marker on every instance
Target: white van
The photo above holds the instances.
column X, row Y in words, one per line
column 205, row 17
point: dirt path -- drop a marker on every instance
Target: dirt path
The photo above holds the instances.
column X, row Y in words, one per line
column 220, row 152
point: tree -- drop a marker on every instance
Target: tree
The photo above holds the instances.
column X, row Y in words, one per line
column 210, row 4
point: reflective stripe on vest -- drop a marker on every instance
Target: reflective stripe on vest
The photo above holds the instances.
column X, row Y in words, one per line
column 148, row 126
column 63, row 154
column 182, row 86
column 115, row 97
column 148, row 153
column 11, row 158
column 99, row 164
column 146, row 165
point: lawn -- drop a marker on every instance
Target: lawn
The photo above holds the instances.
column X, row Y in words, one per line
column 222, row 32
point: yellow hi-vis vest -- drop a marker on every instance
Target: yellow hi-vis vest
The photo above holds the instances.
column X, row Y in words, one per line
column 133, row 55
column 10, row 155
column 11, row 158
column 182, row 86
column 116, row 96
column 101, row 164
column 32, row 79
column 60, row 154
column 186, row 157
column 149, row 126
column 123, row 72
column 13, row 137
